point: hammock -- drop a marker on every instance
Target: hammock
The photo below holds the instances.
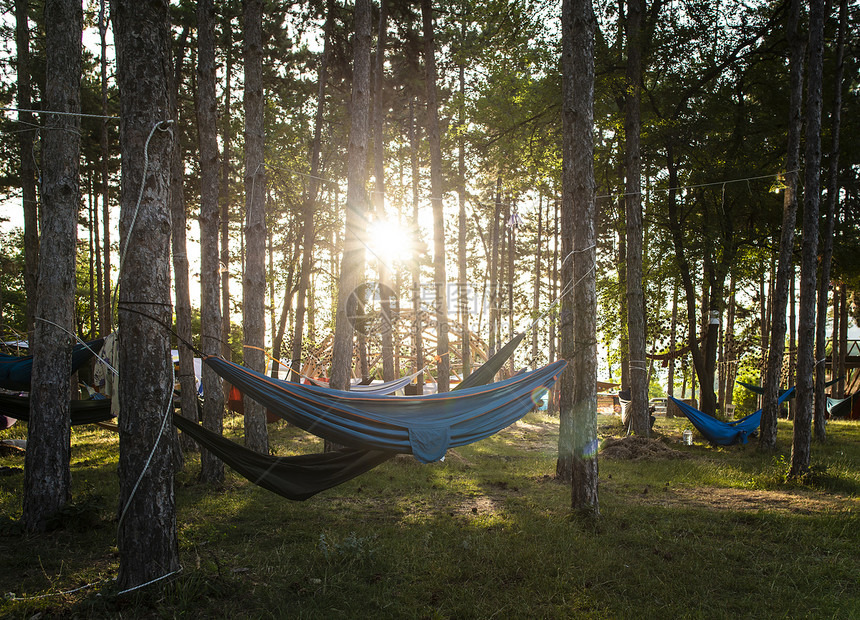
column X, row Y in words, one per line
column 725, row 433
column 422, row 426
column 15, row 371
column 760, row 390
column 302, row 478
column 841, row 407
column 82, row 411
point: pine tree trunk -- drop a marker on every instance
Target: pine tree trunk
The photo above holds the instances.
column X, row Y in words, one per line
column 226, row 140
column 633, row 201
column 494, row 270
column 673, row 328
column 146, row 537
column 577, row 444
column 309, row 207
column 440, row 284
column 254, row 282
column 26, row 136
column 462, row 275
column 187, row 381
column 106, row 309
column 537, row 276
column 211, row 467
column 800, row 447
column 352, row 262
column 417, row 328
column 47, row 482
column 820, row 418
column 785, row 271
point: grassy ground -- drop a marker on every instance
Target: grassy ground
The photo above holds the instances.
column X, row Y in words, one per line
column 693, row 532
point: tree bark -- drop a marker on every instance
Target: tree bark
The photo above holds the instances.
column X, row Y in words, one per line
column 226, row 140
column 495, row 257
column 106, row 309
column 462, row 275
column 26, row 136
column 577, row 444
column 417, row 327
column 440, row 284
column 537, row 284
column 179, row 243
column 309, row 206
column 352, row 263
column 146, row 537
column 800, row 447
column 211, row 467
column 254, row 281
column 633, row 201
column 820, row 417
column 47, row 482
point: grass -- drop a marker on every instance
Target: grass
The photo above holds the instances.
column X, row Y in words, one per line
column 486, row 533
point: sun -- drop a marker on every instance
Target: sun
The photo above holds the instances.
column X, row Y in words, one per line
column 390, row 241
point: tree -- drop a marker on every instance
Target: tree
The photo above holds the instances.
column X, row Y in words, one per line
column 784, row 270
column 28, row 177
column 47, row 484
column 440, row 284
column 146, row 537
column 254, row 283
column 800, row 446
column 211, row 467
column 352, row 262
column 577, row 443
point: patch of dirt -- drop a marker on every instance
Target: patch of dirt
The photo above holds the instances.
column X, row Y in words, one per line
column 635, row 448
column 744, row 500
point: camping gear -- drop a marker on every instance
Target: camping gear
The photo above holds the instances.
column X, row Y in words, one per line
column 15, row 371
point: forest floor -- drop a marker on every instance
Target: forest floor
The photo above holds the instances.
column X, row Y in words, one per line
column 688, row 531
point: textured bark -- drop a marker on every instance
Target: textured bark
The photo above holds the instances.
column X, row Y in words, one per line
column 462, row 275
column 105, row 310
column 417, row 328
column 537, row 283
column 800, row 447
column 820, row 418
column 440, row 284
column 211, row 467
column 47, row 481
column 309, row 206
column 178, row 244
column 494, row 270
column 843, row 338
column 633, row 202
column 379, row 191
column 226, row 139
column 254, row 281
column 26, row 136
column 352, row 263
column 146, row 536
column 673, row 329
column 577, row 443
column 784, row 271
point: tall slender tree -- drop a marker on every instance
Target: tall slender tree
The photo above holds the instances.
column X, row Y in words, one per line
column 47, row 481
column 577, row 443
column 106, row 311
column 440, row 283
column 800, row 446
column 146, row 538
column 254, row 282
column 211, row 467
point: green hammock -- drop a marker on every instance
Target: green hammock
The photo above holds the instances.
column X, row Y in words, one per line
column 82, row 411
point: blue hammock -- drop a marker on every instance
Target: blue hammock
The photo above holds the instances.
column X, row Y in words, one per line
column 422, row 426
column 15, row 371
column 725, row 433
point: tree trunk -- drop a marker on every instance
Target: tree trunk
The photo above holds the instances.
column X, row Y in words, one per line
column 106, row 309
column 827, row 236
column 47, row 483
column 27, row 134
column 800, row 446
column 226, row 139
column 416, row 265
column 673, row 328
column 187, row 382
column 785, row 269
column 309, row 207
column 494, row 270
column 211, row 467
column 352, row 262
column 254, row 282
column 623, row 341
column 843, row 338
column 462, row 275
column 440, row 284
column 537, row 276
column 633, row 200
column 577, row 443
column 146, row 537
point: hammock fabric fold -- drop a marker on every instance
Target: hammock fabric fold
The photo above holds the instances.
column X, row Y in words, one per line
column 15, row 371
column 294, row 477
column 82, row 411
column 422, row 426
column 724, row 433
column 841, row 407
